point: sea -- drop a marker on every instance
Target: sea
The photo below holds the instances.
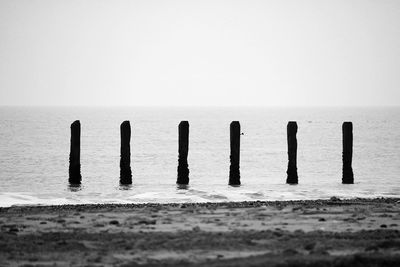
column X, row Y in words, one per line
column 35, row 143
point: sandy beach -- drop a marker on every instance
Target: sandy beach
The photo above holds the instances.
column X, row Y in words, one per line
column 335, row 232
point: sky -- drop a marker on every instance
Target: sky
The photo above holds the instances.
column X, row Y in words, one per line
column 200, row 53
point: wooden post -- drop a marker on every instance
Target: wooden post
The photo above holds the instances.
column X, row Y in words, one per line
column 125, row 162
column 234, row 172
column 183, row 150
column 292, row 177
column 75, row 154
column 347, row 131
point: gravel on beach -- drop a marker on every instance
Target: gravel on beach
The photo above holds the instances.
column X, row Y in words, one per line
column 334, row 232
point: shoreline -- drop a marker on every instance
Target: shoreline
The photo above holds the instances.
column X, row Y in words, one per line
column 333, row 232
column 231, row 204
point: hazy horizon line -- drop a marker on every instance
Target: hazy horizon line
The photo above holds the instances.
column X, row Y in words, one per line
column 202, row 106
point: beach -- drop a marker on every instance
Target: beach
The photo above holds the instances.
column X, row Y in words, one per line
column 334, row 232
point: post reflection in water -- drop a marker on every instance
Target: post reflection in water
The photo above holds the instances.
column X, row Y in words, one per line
column 74, row 187
column 182, row 186
column 125, row 187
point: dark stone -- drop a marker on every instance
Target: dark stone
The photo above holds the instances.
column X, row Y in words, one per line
column 234, row 169
column 13, row 229
column 347, row 131
column 310, row 246
column 75, row 154
column 125, row 162
column 183, row 150
column 292, row 177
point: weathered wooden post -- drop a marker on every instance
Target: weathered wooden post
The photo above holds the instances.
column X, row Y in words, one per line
column 183, row 150
column 125, row 162
column 234, row 172
column 292, row 177
column 347, row 131
column 75, row 154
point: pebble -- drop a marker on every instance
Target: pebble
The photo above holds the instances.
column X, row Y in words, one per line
column 13, row 229
column 147, row 222
column 114, row 222
column 196, row 229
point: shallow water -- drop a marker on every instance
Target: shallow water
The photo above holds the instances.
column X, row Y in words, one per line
column 34, row 151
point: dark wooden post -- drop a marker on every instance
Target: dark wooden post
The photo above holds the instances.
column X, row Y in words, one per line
column 183, row 150
column 75, row 154
column 292, row 177
column 125, row 162
column 234, row 172
column 347, row 131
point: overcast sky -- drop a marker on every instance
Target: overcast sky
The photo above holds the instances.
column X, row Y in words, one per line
column 224, row 53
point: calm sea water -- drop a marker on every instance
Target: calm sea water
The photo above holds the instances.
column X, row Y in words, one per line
column 34, row 152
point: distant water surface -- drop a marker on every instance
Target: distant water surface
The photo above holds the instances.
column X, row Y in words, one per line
column 34, row 153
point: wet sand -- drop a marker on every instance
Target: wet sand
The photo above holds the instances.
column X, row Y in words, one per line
column 358, row 232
